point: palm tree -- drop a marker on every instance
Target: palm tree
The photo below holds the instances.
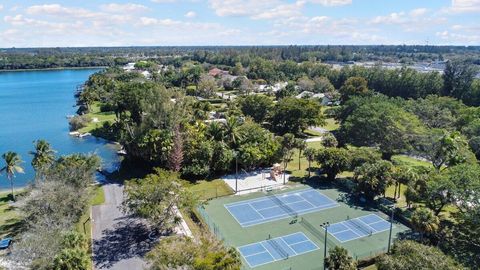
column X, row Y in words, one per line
column 43, row 156
column 231, row 130
column 309, row 154
column 425, row 221
column 338, row 259
column 301, row 145
column 215, row 130
column 12, row 166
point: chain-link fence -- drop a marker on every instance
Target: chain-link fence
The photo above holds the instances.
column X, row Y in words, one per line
column 212, row 226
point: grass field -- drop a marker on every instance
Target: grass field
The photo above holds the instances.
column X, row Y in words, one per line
column 234, row 235
column 101, row 116
column 84, row 225
column 205, row 190
column 9, row 216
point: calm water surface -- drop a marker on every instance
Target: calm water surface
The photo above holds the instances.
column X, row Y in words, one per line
column 34, row 105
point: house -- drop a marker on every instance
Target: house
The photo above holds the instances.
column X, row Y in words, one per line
column 326, row 100
column 215, row 72
column 279, row 86
column 129, row 67
column 146, row 74
column 272, row 88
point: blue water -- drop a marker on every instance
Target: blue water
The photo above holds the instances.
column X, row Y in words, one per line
column 34, row 105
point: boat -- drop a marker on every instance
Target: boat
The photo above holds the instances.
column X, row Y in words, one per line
column 79, row 135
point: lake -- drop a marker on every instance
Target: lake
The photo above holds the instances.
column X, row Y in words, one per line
column 34, row 105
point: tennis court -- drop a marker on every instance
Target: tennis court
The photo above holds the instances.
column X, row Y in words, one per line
column 276, row 249
column 257, row 211
column 356, row 228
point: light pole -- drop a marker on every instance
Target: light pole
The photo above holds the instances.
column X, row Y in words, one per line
column 392, row 209
column 236, row 171
column 325, row 225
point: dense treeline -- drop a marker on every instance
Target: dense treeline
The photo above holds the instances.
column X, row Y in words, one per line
column 29, row 58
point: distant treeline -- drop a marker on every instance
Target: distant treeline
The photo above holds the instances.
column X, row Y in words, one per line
column 33, row 58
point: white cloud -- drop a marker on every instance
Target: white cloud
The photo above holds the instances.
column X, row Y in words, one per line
column 331, row 3
column 191, row 14
column 147, row 21
column 226, row 8
column 464, row 6
column 414, row 21
column 61, row 11
column 163, row 1
column 1, row 7
column 392, row 18
column 282, row 11
column 123, row 8
column 418, row 12
column 458, row 38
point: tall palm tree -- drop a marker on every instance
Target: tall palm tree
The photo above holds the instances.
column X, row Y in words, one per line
column 12, row 166
column 309, row 154
column 43, row 156
column 301, row 144
column 425, row 221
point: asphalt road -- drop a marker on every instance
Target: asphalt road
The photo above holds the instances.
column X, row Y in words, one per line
column 119, row 241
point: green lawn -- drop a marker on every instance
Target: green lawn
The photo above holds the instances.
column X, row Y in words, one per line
column 331, row 124
column 9, row 217
column 410, row 161
column 101, row 116
column 84, row 225
column 205, row 190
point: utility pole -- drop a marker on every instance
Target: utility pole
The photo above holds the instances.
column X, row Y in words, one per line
column 392, row 209
column 236, row 171
column 325, row 225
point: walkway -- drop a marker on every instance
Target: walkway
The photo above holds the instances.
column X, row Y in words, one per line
column 119, row 241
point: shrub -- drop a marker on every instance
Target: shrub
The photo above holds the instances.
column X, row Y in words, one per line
column 79, row 121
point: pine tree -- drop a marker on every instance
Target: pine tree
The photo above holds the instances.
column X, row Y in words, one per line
column 175, row 159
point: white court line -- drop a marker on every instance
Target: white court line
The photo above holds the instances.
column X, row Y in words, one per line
column 283, row 215
column 351, row 239
column 265, row 251
column 298, row 242
column 294, row 252
column 264, row 197
column 340, row 231
column 309, row 202
column 346, row 224
column 262, row 243
column 231, row 214
column 256, row 210
column 275, row 218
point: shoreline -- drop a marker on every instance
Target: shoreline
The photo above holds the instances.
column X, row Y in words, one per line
column 52, row 69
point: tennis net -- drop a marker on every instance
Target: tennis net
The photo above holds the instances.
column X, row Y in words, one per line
column 307, row 225
column 285, row 207
column 359, row 226
column 278, row 248
column 317, row 233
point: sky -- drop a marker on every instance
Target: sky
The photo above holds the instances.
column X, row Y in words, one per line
column 74, row 23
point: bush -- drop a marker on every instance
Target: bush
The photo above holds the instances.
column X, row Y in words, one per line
column 106, row 107
column 79, row 121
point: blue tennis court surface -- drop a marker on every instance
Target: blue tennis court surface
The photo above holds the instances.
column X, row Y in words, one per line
column 275, row 207
column 276, row 249
column 355, row 228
